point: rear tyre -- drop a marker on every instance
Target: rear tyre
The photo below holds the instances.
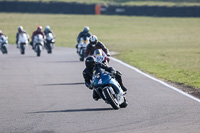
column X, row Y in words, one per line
column 124, row 104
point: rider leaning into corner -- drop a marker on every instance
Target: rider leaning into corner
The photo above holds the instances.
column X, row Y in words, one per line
column 84, row 33
column 95, row 44
column 38, row 31
column 20, row 30
column 90, row 64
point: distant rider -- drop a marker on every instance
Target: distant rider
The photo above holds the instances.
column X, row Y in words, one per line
column 48, row 30
column 1, row 33
column 84, row 33
column 95, row 44
column 38, row 31
column 90, row 64
column 20, row 31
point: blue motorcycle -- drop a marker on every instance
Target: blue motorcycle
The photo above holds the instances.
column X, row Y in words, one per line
column 108, row 88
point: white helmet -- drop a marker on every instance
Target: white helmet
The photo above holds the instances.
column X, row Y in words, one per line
column 93, row 39
column 86, row 29
column 20, row 28
column 47, row 28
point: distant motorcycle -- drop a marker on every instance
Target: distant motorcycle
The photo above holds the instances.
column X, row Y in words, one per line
column 22, row 42
column 84, row 41
column 100, row 56
column 108, row 88
column 50, row 40
column 38, row 44
column 4, row 44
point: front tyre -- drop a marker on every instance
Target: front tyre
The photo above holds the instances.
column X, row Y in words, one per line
column 111, row 99
column 4, row 50
column 49, row 48
column 82, row 55
column 22, row 49
column 38, row 51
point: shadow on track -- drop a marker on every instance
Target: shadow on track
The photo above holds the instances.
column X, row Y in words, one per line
column 75, row 110
column 80, row 83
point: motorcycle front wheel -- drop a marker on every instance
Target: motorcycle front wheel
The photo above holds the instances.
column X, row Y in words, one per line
column 22, row 49
column 4, row 50
column 82, row 55
column 38, row 50
column 111, row 99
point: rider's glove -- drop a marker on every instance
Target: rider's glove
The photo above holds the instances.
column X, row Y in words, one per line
column 113, row 73
column 118, row 73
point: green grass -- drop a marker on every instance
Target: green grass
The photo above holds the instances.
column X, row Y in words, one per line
column 168, row 48
column 130, row 2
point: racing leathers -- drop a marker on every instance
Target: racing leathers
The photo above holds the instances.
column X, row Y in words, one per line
column 49, row 31
column 82, row 34
column 36, row 33
column 99, row 45
column 88, row 73
column 17, row 36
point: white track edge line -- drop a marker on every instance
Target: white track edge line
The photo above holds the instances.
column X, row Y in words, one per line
column 157, row 80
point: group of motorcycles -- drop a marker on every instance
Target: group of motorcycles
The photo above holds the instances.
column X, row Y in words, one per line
column 38, row 43
column 103, row 82
column 99, row 54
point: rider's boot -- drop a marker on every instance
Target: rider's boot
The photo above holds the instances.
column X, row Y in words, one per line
column 119, row 79
column 95, row 96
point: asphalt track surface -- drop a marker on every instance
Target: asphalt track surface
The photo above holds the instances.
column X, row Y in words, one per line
column 47, row 95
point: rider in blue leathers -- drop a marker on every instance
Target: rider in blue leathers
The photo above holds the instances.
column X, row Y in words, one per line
column 90, row 64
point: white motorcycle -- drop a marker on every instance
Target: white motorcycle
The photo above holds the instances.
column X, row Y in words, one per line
column 38, row 44
column 49, row 44
column 100, row 56
column 4, row 44
column 22, row 42
column 82, row 47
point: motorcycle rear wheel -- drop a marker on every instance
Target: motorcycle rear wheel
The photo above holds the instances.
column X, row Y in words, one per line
column 124, row 104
